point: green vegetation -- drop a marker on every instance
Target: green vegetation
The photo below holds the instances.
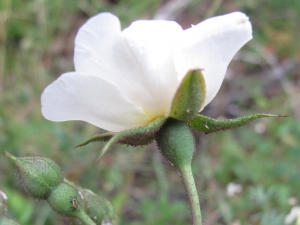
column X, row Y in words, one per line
column 36, row 46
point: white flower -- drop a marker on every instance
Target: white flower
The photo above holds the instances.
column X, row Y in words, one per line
column 294, row 215
column 3, row 196
column 126, row 79
column 233, row 189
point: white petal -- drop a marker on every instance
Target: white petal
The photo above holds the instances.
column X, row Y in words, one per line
column 211, row 46
column 151, row 44
column 95, row 39
column 138, row 60
column 76, row 96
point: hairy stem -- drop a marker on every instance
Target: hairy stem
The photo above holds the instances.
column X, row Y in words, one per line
column 190, row 188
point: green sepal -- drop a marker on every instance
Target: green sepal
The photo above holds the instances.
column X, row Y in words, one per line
column 97, row 138
column 176, row 142
column 189, row 97
column 136, row 136
column 209, row 125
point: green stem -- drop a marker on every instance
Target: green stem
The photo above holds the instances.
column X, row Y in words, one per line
column 85, row 219
column 190, row 187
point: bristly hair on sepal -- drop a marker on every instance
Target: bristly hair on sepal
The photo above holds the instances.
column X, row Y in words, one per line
column 98, row 138
column 189, row 97
column 140, row 136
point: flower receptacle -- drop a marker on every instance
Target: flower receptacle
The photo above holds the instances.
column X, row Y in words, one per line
column 176, row 142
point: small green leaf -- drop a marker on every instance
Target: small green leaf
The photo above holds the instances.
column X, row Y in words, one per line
column 189, row 97
column 209, row 125
column 98, row 137
column 136, row 136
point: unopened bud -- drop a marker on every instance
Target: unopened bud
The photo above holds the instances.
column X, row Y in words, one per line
column 65, row 200
column 97, row 207
column 38, row 175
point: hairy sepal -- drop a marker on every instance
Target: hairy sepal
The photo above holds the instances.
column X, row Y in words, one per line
column 189, row 98
column 209, row 125
column 97, row 138
column 136, row 136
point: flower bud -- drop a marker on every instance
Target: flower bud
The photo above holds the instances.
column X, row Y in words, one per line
column 97, row 207
column 38, row 175
column 65, row 200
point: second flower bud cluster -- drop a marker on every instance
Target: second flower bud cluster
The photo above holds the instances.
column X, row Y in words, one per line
column 42, row 179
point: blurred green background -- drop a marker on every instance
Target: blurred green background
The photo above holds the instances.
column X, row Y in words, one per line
column 36, row 46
